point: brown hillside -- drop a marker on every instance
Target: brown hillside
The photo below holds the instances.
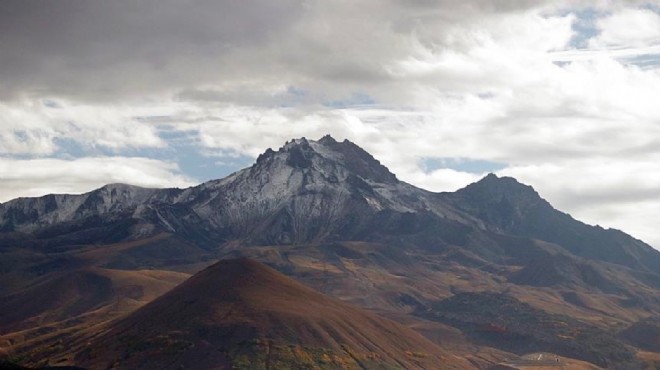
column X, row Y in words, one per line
column 244, row 314
column 72, row 294
column 644, row 334
column 60, row 297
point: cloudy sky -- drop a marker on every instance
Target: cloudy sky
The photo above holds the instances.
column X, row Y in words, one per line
column 562, row 95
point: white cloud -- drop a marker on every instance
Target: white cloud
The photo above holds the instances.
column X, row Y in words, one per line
column 630, row 34
column 36, row 177
column 628, row 27
column 33, row 126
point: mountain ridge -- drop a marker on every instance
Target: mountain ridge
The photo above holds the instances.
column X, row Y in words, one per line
column 338, row 177
column 329, row 215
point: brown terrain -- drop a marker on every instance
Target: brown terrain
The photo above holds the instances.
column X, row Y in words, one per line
column 243, row 314
column 544, row 361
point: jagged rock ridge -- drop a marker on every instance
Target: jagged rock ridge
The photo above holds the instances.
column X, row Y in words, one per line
column 318, row 191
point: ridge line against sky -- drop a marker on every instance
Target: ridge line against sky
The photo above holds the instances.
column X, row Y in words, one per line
column 561, row 95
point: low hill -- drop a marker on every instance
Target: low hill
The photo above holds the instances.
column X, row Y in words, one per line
column 242, row 314
column 73, row 294
column 57, row 298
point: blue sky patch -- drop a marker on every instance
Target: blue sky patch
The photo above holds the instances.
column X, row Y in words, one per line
column 644, row 61
column 478, row 166
column 194, row 161
column 585, row 27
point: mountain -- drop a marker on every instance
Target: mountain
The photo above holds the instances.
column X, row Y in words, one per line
column 306, row 191
column 310, row 192
column 242, row 314
column 507, row 206
column 329, row 215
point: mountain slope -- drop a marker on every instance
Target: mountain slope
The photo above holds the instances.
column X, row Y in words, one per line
column 644, row 334
column 504, row 322
column 242, row 314
column 506, row 206
column 58, row 298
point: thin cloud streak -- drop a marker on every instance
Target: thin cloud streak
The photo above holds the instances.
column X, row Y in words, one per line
column 624, row 53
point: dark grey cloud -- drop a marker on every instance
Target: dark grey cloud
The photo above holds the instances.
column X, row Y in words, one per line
column 96, row 47
column 107, row 49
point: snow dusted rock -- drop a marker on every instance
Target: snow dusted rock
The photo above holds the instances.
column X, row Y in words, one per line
column 305, row 191
column 30, row 214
